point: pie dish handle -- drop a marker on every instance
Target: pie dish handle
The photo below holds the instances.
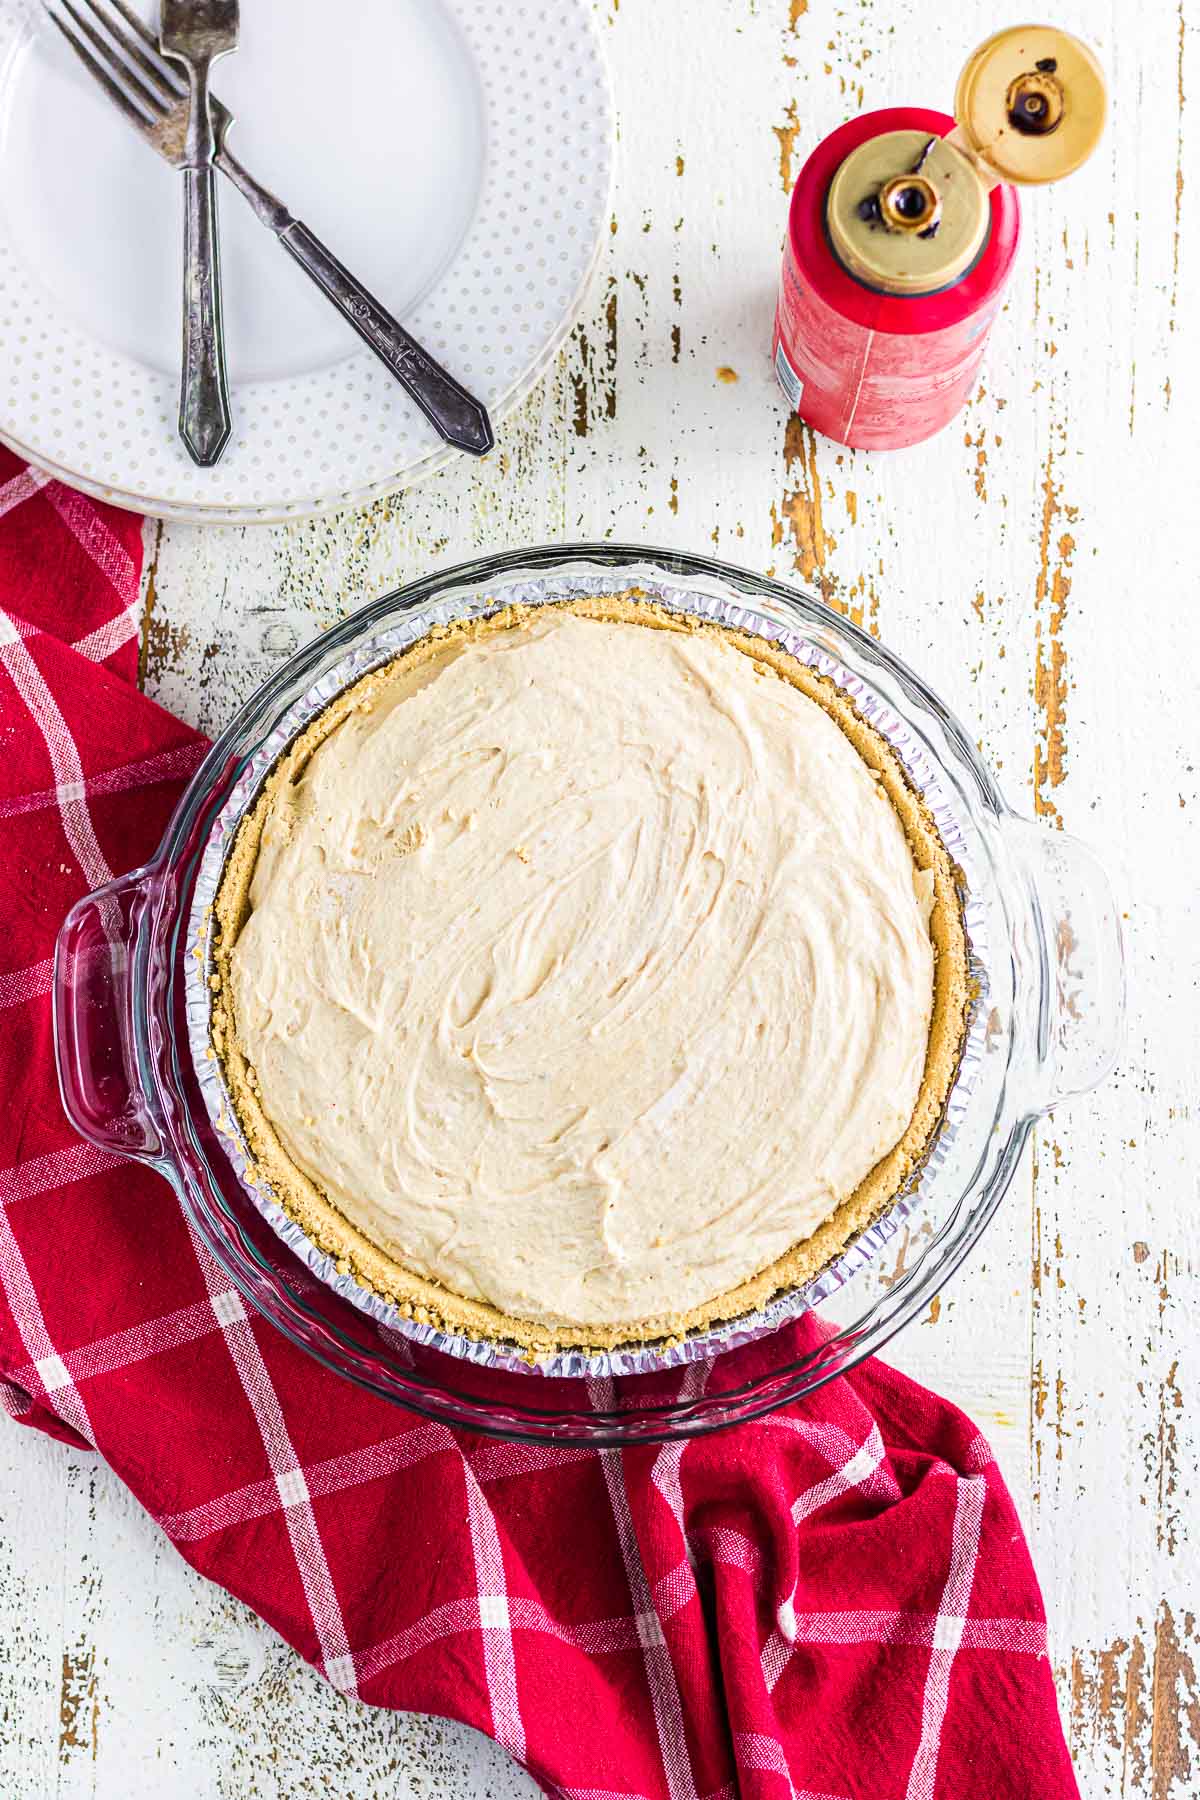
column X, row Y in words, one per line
column 95, row 1034
column 1077, row 949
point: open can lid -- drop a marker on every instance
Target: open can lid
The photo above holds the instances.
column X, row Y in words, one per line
column 1030, row 104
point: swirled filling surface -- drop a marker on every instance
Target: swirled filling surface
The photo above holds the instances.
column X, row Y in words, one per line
column 588, row 969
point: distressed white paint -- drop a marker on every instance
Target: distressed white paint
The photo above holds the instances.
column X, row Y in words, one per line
column 1066, row 1337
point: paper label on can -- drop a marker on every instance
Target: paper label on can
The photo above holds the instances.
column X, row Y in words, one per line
column 789, row 381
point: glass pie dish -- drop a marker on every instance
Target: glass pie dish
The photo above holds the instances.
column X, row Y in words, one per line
column 138, row 1075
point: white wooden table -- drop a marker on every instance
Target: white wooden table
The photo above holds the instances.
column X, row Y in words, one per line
column 1036, row 562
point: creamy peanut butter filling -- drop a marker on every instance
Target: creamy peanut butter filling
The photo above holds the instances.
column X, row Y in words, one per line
column 587, row 969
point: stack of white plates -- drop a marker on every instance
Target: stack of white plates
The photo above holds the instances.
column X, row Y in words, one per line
column 456, row 154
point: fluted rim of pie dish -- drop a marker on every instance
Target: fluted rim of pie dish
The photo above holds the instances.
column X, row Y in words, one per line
column 426, row 1306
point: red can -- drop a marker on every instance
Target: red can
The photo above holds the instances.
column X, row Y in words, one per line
column 903, row 232
column 873, row 369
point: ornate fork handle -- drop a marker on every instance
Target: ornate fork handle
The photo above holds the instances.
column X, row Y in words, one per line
column 450, row 409
column 205, row 420
column 453, row 412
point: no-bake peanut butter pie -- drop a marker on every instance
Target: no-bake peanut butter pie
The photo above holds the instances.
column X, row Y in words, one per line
column 587, row 975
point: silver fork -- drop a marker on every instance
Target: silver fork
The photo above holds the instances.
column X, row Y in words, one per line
column 123, row 56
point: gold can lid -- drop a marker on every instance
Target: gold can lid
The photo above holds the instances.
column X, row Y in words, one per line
column 1030, row 104
column 907, row 212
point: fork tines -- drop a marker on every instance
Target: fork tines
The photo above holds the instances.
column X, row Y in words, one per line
column 117, row 53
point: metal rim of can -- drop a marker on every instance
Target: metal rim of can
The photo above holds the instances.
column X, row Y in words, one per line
column 813, row 260
column 907, row 212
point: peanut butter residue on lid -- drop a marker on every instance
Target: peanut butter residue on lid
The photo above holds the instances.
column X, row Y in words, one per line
column 1030, row 105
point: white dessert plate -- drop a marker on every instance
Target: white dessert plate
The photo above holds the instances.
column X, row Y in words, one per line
column 456, row 154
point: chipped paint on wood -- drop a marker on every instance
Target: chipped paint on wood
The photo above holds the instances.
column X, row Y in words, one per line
column 1139, row 1700
column 153, row 544
column 798, row 523
column 786, row 135
column 79, row 1704
column 801, row 511
column 1055, row 551
column 594, row 378
column 1169, row 1525
column 977, row 444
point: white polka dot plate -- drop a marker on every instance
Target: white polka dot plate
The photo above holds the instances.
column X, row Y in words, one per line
column 456, row 154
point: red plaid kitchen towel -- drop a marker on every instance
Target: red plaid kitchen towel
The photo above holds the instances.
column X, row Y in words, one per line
column 833, row 1602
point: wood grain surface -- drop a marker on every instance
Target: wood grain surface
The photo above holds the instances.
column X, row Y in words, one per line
column 1037, row 564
